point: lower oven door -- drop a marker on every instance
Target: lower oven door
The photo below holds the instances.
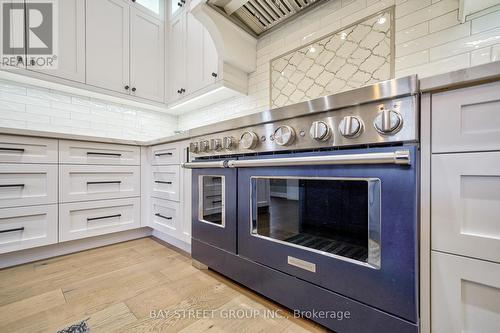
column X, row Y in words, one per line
column 352, row 229
column 214, row 207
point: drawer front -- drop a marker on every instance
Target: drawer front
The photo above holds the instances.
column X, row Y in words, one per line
column 165, row 182
column 27, row 184
column 23, row 228
column 87, row 219
column 81, row 152
column 164, row 216
column 22, row 149
column 98, row 182
column 165, row 154
column 466, row 204
column 466, row 119
column 465, row 294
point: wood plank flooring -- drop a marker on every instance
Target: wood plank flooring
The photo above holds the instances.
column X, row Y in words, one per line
column 136, row 286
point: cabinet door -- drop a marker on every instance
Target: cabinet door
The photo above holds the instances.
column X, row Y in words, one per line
column 210, row 60
column 147, row 74
column 177, row 61
column 194, row 54
column 71, row 44
column 108, row 44
column 14, row 57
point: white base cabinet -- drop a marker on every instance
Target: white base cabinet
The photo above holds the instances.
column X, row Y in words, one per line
column 465, row 294
column 26, row 227
column 94, row 218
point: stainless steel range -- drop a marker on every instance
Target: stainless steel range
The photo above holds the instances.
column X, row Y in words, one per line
column 315, row 205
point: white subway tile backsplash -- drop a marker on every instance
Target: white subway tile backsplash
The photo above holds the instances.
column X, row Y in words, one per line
column 23, row 106
column 486, row 22
column 426, row 13
column 466, row 44
column 481, row 56
column 410, row 6
column 495, row 52
column 411, row 60
column 438, row 67
column 444, row 21
column 416, row 31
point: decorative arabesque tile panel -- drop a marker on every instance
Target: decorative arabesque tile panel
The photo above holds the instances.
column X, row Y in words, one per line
column 351, row 58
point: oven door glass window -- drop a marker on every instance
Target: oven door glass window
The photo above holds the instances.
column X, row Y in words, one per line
column 212, row 200
column 338, row 217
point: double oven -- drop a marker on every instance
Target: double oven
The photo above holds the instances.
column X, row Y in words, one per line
column 336, row 212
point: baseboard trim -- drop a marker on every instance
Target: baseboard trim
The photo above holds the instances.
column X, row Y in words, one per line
column 55, row 250
column 186, row 247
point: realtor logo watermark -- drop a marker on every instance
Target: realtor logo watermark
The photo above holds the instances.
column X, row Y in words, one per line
column 29, row 33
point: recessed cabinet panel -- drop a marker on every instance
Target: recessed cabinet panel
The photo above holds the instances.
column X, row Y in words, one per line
column 22, row 227
column 107, row 49
column 466, row 119
column 164, row 216
column 194, row 53
column 20, row 149
column 165, row 154
column 166, row 182
column 71, row 44
column 93, row 218
column 466, row 204
column 177, row 61
column 465, row 294
column 81, row 152
column 147, row 56
column 27, row 184
column 97, row 182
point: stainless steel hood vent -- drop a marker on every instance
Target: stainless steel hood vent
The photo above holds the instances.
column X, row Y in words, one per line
column 260, row 16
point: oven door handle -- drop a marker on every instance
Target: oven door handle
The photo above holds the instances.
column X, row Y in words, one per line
column 400, row 157
column 205, row 165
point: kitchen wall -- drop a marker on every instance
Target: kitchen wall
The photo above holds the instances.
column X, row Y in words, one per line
column 429, row 40
column 23, row 106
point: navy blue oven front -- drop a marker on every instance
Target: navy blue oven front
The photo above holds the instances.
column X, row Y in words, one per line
column 214, row 205
column 344, row 220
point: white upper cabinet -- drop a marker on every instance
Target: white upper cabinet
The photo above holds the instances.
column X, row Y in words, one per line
column 108, row 44
column 177, row 6
column 71, row 43
column 210, row 60
column 177, row 59
column 147, row 48
column 194, row 53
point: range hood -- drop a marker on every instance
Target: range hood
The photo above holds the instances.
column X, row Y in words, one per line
column 261, row 16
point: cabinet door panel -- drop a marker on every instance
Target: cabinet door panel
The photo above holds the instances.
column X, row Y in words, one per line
column 194, row 54
column 17, row 36
column 71, row 44
column 108, row 44
column 147, row 56
column 210, row 60
column 177, row 61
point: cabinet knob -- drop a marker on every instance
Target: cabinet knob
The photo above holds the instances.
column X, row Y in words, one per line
column 179, row 4
column 183, row 90
column 179, row 91
column 127, row 87
column 214, row 74
column 183, row 1
column 19, row 59
column 32, row 62
column 134, row 89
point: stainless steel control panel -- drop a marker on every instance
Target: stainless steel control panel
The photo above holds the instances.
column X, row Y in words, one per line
column 381, row 122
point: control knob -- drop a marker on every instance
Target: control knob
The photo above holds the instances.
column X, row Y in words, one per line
column 284, row 135
column 228, row 143
column 320, row 131
column 249, row 140
column 388, row 121
column 216, row 144
column 194, row 147
column 204, row 146
column 350, row 126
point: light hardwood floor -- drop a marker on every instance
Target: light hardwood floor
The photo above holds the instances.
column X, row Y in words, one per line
column 116, row 287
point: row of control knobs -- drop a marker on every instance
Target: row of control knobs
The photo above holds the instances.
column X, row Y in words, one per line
column 386, row 122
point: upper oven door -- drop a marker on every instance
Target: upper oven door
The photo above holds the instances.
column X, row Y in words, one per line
column 214, row 207
column 351, row 228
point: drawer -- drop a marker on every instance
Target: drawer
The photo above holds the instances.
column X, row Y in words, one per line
column 466, row 119
column 465, row 294
column 466, row 204
column 93, row 218
column 165, row 182
column 164, row 216
column 24, row 228
column 81, row 152
column 22, row 149
column 165, row 154
column 98, row 182
column 27, row 184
